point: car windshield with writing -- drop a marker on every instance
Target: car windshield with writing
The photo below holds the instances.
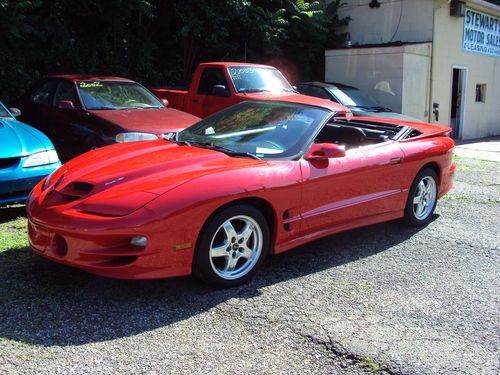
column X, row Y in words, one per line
column 273, row 130
column 258, row 79
column 116, row 95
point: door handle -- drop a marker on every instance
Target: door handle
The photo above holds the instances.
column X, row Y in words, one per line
column 194, row 101
column 395, row 161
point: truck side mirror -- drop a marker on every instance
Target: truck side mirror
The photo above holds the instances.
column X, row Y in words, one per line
column 16, row 112
column 65, row 104
column 220, row 90
column 165, row 102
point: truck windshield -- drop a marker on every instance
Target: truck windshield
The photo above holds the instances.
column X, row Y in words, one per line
column 260, row 128
column 258, row 79
column 116, row 95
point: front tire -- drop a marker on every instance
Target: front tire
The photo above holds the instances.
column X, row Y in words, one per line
column 422, row 198
column 232, row 245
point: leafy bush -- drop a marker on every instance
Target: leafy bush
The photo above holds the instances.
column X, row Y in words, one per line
column 158, row 42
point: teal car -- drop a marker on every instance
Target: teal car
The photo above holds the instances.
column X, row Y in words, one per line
column 26, row 157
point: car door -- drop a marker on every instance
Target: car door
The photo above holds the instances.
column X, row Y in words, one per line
column 366, row 182
column 36, row 107
column 205, row 102
column 69, row 122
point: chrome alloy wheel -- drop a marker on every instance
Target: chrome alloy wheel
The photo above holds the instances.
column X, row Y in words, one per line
column 425, row 197
column 236, row 247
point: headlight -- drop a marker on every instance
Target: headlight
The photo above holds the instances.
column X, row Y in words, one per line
column 131, row 137
column 41, row 158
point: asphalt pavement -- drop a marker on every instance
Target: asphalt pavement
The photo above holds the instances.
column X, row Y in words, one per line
column 382, row 299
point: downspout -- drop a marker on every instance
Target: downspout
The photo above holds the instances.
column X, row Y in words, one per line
column 431, row 68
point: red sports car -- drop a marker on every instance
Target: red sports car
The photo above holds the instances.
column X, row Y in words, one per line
column 214, row 200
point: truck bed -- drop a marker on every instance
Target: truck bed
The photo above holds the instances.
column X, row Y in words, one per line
column 175, row 96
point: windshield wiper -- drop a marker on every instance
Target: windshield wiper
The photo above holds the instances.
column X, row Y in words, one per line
column 94, row 108
column 223, row 149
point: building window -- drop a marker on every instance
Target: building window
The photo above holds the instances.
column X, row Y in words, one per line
column 480, row 93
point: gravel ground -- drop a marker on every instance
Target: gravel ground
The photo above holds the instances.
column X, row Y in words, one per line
column 383, row 299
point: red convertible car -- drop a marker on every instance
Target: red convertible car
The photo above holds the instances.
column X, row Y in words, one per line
column 216, row 198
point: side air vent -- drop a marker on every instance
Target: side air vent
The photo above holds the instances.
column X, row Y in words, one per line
column 8, row 162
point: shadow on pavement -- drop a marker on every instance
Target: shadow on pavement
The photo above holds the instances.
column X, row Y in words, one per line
column 48, row 304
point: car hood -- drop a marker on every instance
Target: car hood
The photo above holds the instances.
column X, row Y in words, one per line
column 121, row 178
column 19, row 139
column 156, row 121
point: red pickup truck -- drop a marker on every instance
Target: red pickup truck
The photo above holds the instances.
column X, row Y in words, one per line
column 218, row 85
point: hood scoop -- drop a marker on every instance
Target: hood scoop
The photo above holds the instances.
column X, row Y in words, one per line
column 77, row 189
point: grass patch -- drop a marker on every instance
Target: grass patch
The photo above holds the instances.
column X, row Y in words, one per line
column 13, row 234
column 370, row 364
column 450, row 197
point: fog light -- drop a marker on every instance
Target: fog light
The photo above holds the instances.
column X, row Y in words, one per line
column 139, row 241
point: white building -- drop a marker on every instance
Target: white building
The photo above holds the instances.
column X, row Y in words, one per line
column 437, row 60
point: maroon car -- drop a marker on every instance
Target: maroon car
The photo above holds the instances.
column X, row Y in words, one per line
column 79, row 113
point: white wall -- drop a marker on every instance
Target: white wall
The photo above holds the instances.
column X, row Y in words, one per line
column 480, row 119
column 395, row 20
column 396, row 77
column 376, row 71
column 416, row 80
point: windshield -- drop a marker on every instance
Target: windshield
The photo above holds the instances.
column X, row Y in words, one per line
column 258, row 79
column 262, row 129
column 3, row 112
column 116, row 95
column 351, row 97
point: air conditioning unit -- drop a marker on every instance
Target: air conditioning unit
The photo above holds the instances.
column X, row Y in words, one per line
column 457, row 8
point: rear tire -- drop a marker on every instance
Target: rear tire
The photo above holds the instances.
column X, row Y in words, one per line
column 422, row 198
column 231, row 246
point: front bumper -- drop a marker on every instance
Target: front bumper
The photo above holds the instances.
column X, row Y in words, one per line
column 100, row 244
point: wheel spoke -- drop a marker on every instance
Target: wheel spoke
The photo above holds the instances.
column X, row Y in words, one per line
column 229, row 230
column 230, row 264
column 417, row 199
column 246, row 233
column 247, row 252
column 421, row 187
column 219, row 251
column 420, row 209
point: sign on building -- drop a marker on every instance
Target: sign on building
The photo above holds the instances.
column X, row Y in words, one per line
column 481, row 33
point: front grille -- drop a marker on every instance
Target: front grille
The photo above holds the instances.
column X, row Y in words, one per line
column 8, row 162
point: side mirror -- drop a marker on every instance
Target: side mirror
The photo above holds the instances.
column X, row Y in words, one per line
column 165, row 102
column 16, row 112
column 220, row 90
column 324, row 151
column 65, row 104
